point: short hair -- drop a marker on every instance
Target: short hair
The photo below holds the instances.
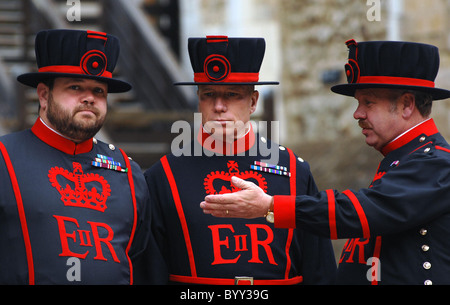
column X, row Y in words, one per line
column 49, row 82
column 422, row 100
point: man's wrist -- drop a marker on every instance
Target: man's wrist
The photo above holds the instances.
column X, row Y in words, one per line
column 269, row 214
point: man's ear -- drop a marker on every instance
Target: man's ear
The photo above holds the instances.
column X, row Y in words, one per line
column 43, row 92
column 254, row 102
column 407, row 104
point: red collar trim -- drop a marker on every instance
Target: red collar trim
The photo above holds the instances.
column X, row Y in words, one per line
column 427, row 127
column 239, row 146
column 45, row 134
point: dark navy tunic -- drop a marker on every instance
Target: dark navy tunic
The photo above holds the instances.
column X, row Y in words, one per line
column 64, row 220
column 203, row 249
column 398, row 227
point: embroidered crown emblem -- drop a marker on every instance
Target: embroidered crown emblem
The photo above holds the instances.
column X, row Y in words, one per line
column 76, row 192
column 220, row 182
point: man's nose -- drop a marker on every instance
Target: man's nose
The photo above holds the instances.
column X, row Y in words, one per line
column 88, row 97
column 359, row 113
column 220, row 105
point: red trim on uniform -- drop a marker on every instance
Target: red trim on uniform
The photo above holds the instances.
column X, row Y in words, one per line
column 95, row 34
column 57, row 141
column 293, row 187
column 430, row 142
column 332, row 213
column 284, row 211
column 233, row 77
column 21, row 211
column 360, row 212
column 71, row 70
column 179, row 207
column 428, row 128
column 216, row 38
column 394, row 80
column 442, row 148
column 220, row 281
column 133, row 197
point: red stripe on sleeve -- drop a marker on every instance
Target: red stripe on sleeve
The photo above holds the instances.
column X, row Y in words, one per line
column 332, row 213
column 360, row 211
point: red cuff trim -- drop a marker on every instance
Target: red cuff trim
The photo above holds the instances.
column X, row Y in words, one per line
column 360, row 212
column 284, row 211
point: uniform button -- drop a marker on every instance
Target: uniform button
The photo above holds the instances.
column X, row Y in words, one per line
column 425, row 248
column 426, row 265
column 428, row 282
column 423, row 232
column 427, row 149
column 282, row 148
column 422, row 139
column 112, row 147
column 300, row 159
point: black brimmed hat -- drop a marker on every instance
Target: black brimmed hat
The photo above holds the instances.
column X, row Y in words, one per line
column 392, row 64
column 220, row 60
column 76, row 53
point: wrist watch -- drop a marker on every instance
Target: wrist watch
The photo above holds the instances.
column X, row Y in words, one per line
column 269, row 215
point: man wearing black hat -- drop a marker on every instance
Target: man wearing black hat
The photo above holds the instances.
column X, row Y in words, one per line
column 72, row 207
column 200, row 249
column 399, row 226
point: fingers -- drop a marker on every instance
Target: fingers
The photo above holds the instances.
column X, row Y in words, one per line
column 241, row 183
column 217, row 210
column 221, row 199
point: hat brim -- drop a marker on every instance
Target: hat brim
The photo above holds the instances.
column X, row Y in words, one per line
column 34, row 78
column 349, row 89
column 224, row 83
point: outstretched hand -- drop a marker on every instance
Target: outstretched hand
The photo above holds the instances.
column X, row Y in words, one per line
column 249, row 202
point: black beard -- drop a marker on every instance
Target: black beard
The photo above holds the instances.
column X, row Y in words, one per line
column 64, row 123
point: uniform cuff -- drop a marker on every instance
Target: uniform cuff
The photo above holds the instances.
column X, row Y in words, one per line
column 284, row 212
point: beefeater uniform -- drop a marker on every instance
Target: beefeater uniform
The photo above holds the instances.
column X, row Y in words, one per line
column 70, row 213
column 399, row 226
column 201, row 249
